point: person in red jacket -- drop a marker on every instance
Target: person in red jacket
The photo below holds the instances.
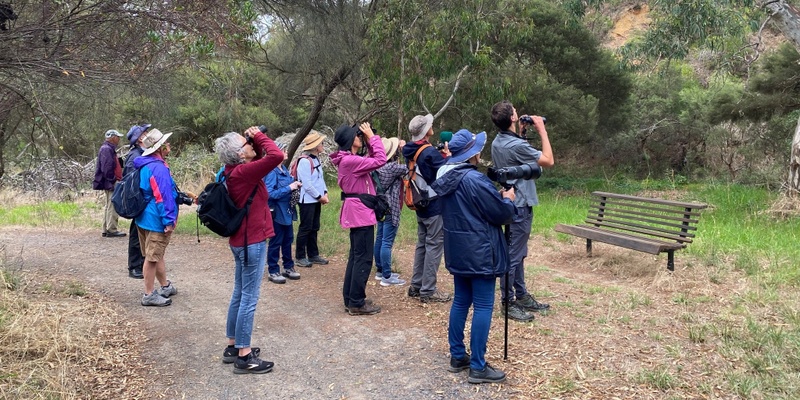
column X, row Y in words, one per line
column 248, row 159
column 106, row 175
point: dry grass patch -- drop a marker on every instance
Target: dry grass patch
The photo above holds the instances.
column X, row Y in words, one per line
column 57, row 341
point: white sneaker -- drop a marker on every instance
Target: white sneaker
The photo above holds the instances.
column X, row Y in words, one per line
column 394, row 280
column 276, row 278
column 379, row 276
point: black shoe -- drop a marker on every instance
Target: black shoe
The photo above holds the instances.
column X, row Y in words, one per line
column 527, row 302
column 230, row 354
column 488, row 375
column 366, row 309
column 458, row 365
column 318, row 260
column 253, row 365
column 517, row 313
column 114, row 234
column 135, row 273
column 303, row 262
column 413, row 291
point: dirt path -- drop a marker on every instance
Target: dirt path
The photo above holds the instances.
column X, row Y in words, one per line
column 319, row 351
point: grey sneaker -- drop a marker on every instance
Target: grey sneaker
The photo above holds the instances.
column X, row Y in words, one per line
column 517, row 313
column 379, row 276
column 291, row 274
column 303, row 262
column 155, row 299
column 392, row 281
column 435, row 297
column 276, row 278
column 318, row 260
column 167, row 291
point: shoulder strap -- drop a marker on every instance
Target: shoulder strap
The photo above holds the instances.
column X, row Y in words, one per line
column 413, row 164
column 419, row 150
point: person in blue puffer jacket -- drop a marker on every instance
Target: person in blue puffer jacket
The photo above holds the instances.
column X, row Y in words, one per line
column 158, row 220
column 475, row 250
column 280, row 186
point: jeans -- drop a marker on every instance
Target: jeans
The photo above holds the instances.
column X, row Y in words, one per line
column 280, row 243
column 307, row 231
column 246, row 289
column 384, row 241
column 135, row 259
column 517, row 251
column 478, row 292
column 359, row 265
column 428, row 254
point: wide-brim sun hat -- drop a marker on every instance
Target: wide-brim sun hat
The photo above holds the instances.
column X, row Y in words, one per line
column 312, row 140
column 154, row 140
column 419, row 126
column 390, row 145
column 464, row 145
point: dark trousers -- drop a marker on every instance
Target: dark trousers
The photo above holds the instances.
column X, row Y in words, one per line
column 135, row 259
column 359, row 266
column 280, row 243
column 306, row 243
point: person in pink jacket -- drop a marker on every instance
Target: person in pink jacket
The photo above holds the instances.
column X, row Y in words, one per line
column 354, row 178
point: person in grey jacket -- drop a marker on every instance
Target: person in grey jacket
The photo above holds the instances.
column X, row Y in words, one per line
column 510, row 148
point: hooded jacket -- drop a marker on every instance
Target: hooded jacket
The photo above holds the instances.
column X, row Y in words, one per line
column 473, row 215
column 159, row 190
column 354, row 177
column 429, row 161
column 280, row 195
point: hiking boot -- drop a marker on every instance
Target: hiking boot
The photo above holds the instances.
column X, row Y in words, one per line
column 252, row 365
column 413, row 291
column 488, row 375
column 527, row 302
column 136, row 273
column 291, row 274
column 276, row 278
column 303, row 262
column 230, row 354
column 114, row 234
column 168, row 290
column 517, row 313
column 379, row 276
column 366, row 309
column 366, row 301
column 392, row 281
column 318, row 260
column 435, row 297
column 458, row 364
column 155, row 299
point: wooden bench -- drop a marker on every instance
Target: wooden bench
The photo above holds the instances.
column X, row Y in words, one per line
column 638, row 223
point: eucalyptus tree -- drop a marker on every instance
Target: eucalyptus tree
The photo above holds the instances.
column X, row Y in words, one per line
column 80, row 44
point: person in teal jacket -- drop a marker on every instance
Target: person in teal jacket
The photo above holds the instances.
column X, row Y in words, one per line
column 158, row 220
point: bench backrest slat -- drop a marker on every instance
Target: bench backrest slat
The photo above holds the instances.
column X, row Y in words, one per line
column 694, row 206
column 595, row 209
column 681, row 211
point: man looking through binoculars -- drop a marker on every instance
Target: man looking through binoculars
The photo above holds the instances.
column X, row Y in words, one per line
column 511, row 149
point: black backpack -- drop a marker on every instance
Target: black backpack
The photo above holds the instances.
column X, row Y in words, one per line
column 128, row 198
column 218, row 212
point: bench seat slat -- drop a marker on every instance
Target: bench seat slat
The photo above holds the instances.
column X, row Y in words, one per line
column 618, row 239
column 618, row 204
column 642, row 230
column 694, row 206
column 661, row 226
column 597, row 209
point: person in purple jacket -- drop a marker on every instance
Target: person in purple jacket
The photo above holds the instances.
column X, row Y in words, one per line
column 106, row 175
column 354, row 178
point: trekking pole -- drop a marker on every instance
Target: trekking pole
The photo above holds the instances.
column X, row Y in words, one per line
column 507, row 235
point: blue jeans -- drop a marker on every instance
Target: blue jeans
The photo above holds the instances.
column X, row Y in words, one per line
column 384, row 241
column 246, row 289
column 280, row 243
column 478, row 292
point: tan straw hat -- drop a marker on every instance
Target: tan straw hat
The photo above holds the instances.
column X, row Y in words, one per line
column 312, row 140
column 390, row 145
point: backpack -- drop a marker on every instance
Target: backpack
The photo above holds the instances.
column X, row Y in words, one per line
column 217, row 211
column 417, row 194
column 128, row 198
column 293, row 166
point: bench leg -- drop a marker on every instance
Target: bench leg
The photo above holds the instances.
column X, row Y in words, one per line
column 589, row 247
column 671, row 260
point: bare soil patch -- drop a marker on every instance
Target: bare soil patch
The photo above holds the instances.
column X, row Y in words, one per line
column 615, row 318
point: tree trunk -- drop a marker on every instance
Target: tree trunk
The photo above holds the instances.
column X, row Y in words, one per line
column 794, row 163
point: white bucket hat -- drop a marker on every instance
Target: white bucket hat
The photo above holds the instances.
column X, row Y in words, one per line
column 154, row 140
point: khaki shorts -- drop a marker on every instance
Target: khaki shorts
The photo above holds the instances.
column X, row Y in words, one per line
column 153, row 244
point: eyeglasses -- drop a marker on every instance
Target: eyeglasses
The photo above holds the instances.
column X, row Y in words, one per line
column 246, row 142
